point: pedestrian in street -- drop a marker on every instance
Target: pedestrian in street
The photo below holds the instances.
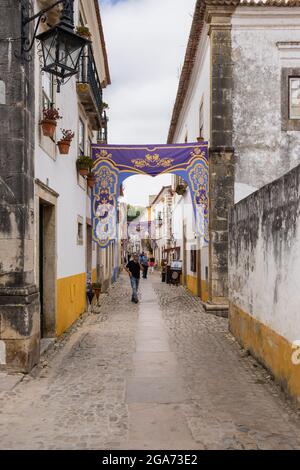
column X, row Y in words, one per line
column 144, row 263
column 152, row 264
column 134, row 270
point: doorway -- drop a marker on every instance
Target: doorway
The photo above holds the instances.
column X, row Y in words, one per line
column 89, row 253
column 47, row 269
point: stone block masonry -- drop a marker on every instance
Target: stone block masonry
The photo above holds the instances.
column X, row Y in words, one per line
column 19, row 304
column 221, row 160
column 264, row 272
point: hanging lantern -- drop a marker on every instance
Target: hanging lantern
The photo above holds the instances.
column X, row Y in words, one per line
column 61, row 50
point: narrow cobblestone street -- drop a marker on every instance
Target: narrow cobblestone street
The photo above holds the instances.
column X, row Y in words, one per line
column 158, row 375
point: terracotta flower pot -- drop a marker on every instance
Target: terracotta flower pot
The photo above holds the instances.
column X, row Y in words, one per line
column 91, row 181
column 64, row 146
column 48, row 127
column 97, row 291
column 86, row 36
column 83, row 171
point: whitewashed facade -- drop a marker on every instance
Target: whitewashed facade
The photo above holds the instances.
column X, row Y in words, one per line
column 66, row 258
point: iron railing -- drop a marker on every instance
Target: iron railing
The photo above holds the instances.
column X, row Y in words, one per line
column 88, row 74
column 102, row 133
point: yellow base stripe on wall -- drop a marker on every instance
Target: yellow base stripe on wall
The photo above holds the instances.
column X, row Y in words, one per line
column 71, row 301
column 191, row 283
column 204, row 292
column 94, row 275
column 270, row 348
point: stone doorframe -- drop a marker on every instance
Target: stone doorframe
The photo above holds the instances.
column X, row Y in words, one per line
column 48, row 197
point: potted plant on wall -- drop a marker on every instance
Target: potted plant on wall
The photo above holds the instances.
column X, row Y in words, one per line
column 96, row 286
column 90, row 179
column 65, row 142
column 83, row 31
column 84, row 165
column 49, row 121
column 180, row 189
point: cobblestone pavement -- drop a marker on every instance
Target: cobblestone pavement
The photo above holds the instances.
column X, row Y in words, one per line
column 162, row 374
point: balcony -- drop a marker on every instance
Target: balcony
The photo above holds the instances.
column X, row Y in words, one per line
column 89, row 89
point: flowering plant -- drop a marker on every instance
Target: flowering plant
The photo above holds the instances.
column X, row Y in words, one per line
column 83, row 30
column 67, row 134
column 51, row 114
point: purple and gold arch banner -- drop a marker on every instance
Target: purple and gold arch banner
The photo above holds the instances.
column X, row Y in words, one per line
column 114, row 163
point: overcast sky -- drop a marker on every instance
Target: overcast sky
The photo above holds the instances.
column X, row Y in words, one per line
column 146, row 42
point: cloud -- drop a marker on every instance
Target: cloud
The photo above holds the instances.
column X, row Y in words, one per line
column 146, row 42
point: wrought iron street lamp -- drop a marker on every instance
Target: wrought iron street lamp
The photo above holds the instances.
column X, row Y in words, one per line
column 61, row 47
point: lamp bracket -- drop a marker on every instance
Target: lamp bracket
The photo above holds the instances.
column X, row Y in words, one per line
column 27, row 42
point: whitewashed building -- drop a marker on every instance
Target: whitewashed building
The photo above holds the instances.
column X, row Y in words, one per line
column 239, row 90
column 161, row 223
column 47, row 255
column 66, row 256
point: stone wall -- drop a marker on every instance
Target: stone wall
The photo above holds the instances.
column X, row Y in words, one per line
column 264, row 273
column 19, row 306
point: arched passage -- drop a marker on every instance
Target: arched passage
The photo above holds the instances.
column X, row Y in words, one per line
column 114, row 163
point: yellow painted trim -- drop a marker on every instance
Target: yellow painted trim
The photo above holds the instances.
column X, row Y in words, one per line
column 191, row 283
column 71, row 301
column 204, row 291
column 270, row 348
column 94, row 275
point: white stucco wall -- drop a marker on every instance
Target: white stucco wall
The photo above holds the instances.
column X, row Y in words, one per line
column 188, row 128
column 59, row 173
column 263, row 151
column 199, row 88
column 264, row 255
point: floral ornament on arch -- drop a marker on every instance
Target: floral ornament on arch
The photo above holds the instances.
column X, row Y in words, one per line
column 199, row 176
column 105, row 227
column 153, row 161
column 103, row 154
column 105, row 178
column 197, row 152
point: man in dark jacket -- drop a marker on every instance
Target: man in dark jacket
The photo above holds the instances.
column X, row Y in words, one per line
column 134, row 270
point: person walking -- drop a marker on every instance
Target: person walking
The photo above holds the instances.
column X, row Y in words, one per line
column 144, row 263
column 152, row 264
column 134, row 270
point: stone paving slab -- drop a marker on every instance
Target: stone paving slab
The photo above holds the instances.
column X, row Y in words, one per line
column 146, row 419
column 155, row 364
column 9, row 381
column 158, row 390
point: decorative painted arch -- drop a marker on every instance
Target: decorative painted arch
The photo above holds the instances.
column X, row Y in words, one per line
column 114, row 163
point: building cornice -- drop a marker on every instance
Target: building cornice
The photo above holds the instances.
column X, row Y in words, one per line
column 106, row 66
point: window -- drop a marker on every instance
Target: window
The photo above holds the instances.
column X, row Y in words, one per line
column 290, row 99
column 79, row 230
column 201, row 118
column 2, row 92
column 47, row 90
column 294, row 98
column 193, row 259
column 81, row 137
